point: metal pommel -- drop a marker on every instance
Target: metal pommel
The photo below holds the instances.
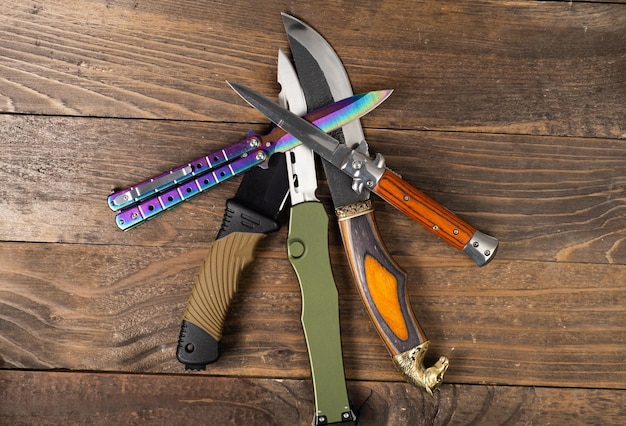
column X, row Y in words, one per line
column 481, row 248
column 411, row 364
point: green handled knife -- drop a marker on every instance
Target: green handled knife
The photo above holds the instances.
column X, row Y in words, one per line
column 307, row 248
column 324, row 80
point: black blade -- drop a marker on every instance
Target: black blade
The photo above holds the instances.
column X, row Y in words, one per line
column 317, row 94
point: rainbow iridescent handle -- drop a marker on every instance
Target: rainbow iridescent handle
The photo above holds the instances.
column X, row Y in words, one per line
column 178, row 175
column 170, row 189
column 153, row 206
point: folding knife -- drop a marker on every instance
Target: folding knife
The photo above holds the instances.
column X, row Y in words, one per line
column 146, row 200
column 307, row 248
column 324, row 79
column 372, row 175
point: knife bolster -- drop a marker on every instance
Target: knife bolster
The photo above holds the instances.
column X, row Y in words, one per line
column 411, row 365
column 352, row 210
column 239, row 218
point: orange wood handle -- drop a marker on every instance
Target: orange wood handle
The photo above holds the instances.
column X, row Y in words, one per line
column 381, row 284
column 424, row 210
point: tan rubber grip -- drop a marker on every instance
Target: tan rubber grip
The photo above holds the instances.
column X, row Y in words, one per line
column 218, row 280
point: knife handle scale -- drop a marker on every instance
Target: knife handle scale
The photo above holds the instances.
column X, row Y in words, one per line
column 217, row 282
column 307, row 247
column 382, row 286
column 435, row 217
column 214, row 287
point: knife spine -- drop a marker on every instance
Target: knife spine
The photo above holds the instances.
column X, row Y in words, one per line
column 382, row 287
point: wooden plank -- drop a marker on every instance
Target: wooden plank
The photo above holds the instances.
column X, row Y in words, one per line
column 119, row 308
column 516, row 67
column 547, row 199
column 96, row 95
column 62, row 398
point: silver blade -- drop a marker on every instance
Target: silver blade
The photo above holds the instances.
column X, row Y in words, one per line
column 324, row 80
column 364, row 171
column 324, row 145
column 291, row 95
column 326, row 60
column 300, row 160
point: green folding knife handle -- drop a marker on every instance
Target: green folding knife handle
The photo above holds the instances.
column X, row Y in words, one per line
column 307, row 247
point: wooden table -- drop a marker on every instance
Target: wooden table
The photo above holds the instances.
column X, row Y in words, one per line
column 512, row 114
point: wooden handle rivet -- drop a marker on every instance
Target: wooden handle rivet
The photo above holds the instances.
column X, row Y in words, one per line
column 455, row 232
column 406, row 198
column 435, row 228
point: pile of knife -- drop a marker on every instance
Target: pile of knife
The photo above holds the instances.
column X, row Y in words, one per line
column 317, row 114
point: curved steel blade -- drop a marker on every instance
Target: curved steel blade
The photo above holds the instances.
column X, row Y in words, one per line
column 300, row 160
column 324, row 79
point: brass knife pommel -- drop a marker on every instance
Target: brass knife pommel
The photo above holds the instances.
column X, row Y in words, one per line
column 411, row 365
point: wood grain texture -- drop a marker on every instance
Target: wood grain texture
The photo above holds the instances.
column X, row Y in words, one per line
column 81, row 307
column 99, row 399
column 510, row 114
column 516, row 67
column 424, row 210
column 545, row 199
column 381, row 284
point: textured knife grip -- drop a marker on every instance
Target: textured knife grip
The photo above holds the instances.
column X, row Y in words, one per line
column 434, row 217
column 214, row 288
column 382, row 286
column 307, row 246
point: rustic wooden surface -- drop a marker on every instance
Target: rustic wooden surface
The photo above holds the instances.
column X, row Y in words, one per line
column 512, row 114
